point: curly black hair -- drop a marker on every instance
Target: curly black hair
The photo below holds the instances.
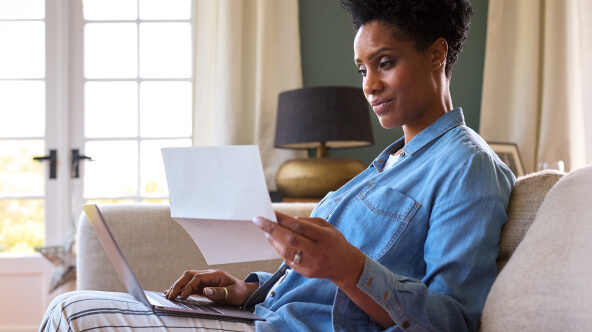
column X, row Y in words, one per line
column 422, row 21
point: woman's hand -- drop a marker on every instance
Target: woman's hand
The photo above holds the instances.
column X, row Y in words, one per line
column 216, row 285
column 314, row 248
column 323, row 252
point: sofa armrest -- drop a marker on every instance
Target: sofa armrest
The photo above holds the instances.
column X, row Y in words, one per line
column 546, row 284
column 156, row 247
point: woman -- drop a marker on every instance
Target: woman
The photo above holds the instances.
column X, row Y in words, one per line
column 411, row 242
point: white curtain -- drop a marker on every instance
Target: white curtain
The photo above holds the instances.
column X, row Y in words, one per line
column 537, row 89
column 247, row 52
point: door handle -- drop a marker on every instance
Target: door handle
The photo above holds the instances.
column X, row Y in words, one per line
column 76, row 158
column 53, row 162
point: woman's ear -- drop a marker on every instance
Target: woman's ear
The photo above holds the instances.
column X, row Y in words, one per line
column 438, row 52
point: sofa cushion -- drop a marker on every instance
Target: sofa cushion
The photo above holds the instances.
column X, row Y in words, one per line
column 546, row 285
column 526, row 198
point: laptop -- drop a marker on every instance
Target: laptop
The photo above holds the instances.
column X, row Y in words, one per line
column 157, row 300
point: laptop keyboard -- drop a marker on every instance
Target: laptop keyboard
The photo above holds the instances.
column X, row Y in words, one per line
column 182, row 304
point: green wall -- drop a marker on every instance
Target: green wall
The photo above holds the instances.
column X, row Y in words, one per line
column 326, row 40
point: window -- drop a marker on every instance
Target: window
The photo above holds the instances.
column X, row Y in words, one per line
column 109, row 78
column 137, row 95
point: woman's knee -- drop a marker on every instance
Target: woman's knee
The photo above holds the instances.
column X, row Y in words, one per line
column 54, row 315
column 64, row 307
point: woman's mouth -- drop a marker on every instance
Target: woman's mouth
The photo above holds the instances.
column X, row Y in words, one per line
column 380, row 104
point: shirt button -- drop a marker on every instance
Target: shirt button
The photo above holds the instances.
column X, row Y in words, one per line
column 380, row 161
column 405, row 324
column 402, row 154
column 272, row 294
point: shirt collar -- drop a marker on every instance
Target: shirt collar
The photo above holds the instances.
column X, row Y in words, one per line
column 443, row 124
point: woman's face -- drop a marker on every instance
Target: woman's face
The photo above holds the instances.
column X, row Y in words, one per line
column 398, row 81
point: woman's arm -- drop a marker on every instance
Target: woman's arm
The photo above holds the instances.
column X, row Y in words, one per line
column 324, row 253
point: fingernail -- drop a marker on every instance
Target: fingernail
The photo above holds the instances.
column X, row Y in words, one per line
column 259, row 221
column 208, row 292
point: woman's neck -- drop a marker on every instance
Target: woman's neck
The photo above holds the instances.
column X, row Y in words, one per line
column 441, row 105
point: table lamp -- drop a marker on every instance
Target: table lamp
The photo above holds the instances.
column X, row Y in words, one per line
column 320, row 118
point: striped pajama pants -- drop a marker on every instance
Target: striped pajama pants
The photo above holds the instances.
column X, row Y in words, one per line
column 104, row 311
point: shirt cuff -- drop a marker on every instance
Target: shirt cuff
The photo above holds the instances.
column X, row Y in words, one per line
column 383, row 286
column 377, row 283
column 260, row 277
column 347, row 315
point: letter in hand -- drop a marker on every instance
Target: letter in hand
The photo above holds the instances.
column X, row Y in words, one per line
column 211, row 284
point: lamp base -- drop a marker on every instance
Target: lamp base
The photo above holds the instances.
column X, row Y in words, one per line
column 314, row 178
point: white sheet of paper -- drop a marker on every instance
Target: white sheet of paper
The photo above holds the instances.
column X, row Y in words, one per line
column 215, row 192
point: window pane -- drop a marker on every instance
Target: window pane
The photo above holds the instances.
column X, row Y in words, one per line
column 165, row 50
column 22, row 109
column 165, row 109
column 152, row 176
column 114, row 173
column 23, row 50
column 111, row 109
column 22, row 9
column 22, row 227
column 110, row 50
column 161, row 10
column 20, row 175
column 110, row 9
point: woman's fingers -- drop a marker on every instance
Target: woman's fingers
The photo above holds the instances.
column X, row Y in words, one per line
column 307, row 227
column 219, row 294
column 192, row 282
column 190, row 288
column 179, row 285
column 198, row 282
column 216, row 285
column 279, row 233
column 289, row 221
column 313, row 248
column 316, row 221
column 288, row 241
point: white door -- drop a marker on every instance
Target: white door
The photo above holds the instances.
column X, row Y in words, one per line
column 33, row 123
column 111, row 80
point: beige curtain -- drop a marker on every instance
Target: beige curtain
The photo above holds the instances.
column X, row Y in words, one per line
column 536, row 88
column 247, row 52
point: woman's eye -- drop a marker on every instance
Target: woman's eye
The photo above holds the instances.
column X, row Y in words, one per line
column 386, row 64
column 362, row 71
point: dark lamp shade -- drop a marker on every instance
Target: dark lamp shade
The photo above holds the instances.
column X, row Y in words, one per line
column 335, row 116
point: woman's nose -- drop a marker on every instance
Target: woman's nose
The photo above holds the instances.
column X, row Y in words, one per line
column 372, row 83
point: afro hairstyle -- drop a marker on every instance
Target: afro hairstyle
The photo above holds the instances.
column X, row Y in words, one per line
column 421, row 21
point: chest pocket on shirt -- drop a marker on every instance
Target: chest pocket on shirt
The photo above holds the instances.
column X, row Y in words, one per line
column 375, row 218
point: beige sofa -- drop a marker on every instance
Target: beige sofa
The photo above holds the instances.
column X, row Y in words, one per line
column 544, row 285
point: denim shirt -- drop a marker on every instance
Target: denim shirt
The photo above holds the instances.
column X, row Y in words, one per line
column 430, row 229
